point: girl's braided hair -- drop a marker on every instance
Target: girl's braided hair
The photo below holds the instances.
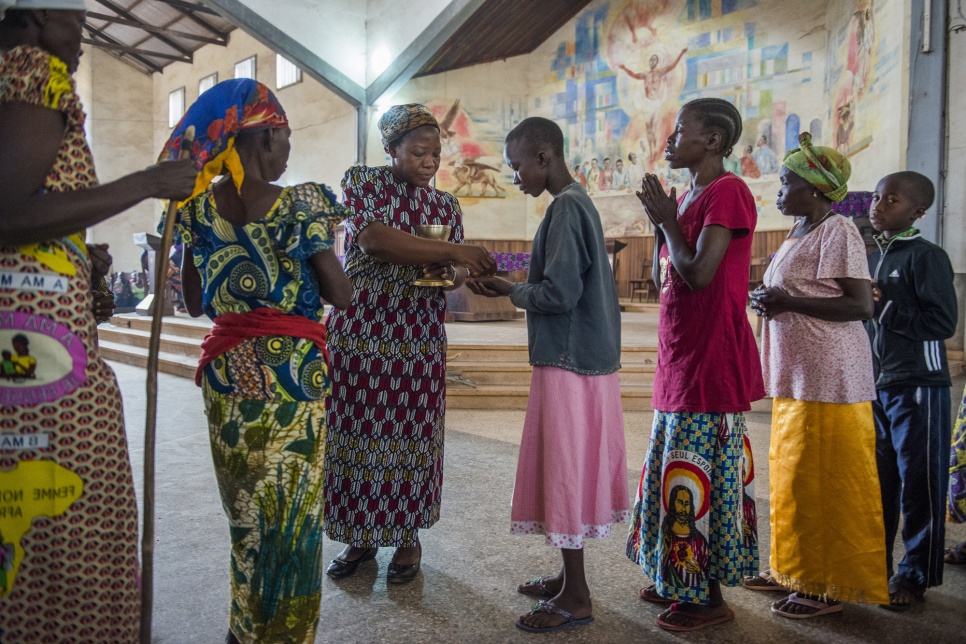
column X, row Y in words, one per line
column 718, row 114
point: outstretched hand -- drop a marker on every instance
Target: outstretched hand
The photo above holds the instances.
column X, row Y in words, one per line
column 172, row 179
column 489, row 286
column 476, row 259
column 661, row 208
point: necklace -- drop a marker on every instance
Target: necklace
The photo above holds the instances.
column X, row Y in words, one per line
column 811, row 227
column 771, row 268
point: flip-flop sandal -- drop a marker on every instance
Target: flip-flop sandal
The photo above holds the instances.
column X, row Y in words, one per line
column 550, row 607
column 763, row 582
column 821, row 608
column 537, row 588
column 650, row 594
column 698, row 622
column 956, row 556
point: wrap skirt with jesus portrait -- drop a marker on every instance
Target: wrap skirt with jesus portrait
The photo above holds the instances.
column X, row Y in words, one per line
column 694, row 520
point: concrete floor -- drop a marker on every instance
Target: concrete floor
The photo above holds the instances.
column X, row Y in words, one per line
column 471, row 564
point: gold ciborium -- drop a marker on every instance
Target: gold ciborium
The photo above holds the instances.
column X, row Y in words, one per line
column 434, row 231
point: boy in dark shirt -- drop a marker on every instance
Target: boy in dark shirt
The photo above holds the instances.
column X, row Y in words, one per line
column 915, row 312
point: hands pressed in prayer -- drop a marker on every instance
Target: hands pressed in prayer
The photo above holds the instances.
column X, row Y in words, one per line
column 661, row 208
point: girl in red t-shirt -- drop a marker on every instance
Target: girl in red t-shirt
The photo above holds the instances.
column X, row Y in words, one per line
column 699, row 467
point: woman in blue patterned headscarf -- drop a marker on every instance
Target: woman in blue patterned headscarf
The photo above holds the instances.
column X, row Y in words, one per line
column 258, row 260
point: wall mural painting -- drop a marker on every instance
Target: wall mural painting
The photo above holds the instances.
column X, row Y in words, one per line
column 615, row 76
column 624, row 69
column 851, row 59
column 472, row 161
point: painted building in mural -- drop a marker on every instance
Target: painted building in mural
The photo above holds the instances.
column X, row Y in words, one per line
column 615, row 76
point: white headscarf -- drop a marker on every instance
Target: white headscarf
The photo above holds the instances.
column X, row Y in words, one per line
column 63, row 5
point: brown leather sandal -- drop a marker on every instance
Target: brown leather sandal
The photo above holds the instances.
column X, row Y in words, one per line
column 650, row 594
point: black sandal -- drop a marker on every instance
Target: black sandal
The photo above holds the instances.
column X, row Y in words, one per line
column 403, row 574
column 340, row 568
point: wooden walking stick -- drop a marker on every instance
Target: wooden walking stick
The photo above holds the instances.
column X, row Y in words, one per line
column 150, row 421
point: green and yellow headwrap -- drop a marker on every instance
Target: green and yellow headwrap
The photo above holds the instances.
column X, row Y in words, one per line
column 400, row 119
column 822, row 167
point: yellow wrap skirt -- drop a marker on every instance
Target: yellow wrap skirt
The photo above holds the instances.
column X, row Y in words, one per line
column 827, row 532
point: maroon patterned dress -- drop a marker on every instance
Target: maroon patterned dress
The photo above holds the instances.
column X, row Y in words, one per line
column 384, row 450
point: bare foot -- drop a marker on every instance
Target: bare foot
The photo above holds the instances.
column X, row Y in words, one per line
column 902, row 594
column 577, row 604
column 902, row 599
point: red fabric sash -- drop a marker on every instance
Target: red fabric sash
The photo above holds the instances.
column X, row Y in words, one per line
column 231, row 329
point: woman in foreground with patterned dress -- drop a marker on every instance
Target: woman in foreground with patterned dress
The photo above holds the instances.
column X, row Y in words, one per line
column 956, row 502
column 827, row 530
column 384, row 454
column 69, row 550
column 692, row 531
column 258, row 259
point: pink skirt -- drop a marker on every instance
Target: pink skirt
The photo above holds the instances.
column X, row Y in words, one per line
column 571, row 479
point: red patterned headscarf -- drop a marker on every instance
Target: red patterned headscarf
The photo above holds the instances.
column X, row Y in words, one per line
column 219, row 116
